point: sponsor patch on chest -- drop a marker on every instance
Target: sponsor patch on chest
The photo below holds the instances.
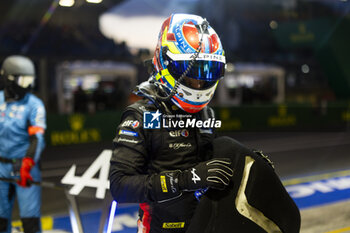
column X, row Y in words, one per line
column 173, row 225
column 132, row 123
column 177, row 133
column 128, row 133
column 179, row 145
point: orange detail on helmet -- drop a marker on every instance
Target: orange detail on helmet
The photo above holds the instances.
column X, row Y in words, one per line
column 191, row 34
column 156, row 59
column 190, row 108
column 170, row 37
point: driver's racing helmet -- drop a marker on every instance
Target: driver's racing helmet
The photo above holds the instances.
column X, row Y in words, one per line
column 178, row 43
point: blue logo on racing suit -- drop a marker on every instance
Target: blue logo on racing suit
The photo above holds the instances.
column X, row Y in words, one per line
column 128, row 133
column 151, row 120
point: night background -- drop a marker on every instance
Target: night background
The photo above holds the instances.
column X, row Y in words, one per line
column 286, row 89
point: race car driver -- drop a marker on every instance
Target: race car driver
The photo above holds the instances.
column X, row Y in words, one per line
column 162, row 168
column 22, row 126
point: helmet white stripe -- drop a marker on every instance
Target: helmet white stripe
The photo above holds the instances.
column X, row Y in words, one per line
column 201, row 56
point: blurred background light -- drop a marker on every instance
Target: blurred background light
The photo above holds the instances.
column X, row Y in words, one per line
column 66, row 3
column 230, row 67
column 273, row 24
column 305, row 68
column 94, row 1
column 131, row 20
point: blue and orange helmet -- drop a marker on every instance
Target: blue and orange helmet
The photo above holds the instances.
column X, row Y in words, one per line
column 186, row 46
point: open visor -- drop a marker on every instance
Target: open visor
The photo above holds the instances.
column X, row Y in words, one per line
column 207, row 67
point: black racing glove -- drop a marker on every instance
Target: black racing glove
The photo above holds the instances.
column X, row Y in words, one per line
column 215, row 173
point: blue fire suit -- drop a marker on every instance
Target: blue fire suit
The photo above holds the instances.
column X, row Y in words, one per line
column 22, row 125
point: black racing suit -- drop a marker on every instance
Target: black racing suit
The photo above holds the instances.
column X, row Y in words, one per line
column 141, row 153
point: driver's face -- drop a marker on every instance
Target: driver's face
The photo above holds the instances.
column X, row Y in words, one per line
column 194, row 83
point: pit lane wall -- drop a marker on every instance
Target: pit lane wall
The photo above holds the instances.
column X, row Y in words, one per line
column 91, row 128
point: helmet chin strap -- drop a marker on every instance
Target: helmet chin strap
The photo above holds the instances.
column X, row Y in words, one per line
column 203, row 27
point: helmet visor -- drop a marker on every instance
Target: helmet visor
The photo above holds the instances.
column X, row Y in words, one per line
column 200, row 70
column 208, row 69
column 23, row 81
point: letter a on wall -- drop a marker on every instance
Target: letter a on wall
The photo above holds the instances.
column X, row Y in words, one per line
column 101, row 165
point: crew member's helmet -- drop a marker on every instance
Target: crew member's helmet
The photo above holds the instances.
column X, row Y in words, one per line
column 178, row 52
column 18, row 73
